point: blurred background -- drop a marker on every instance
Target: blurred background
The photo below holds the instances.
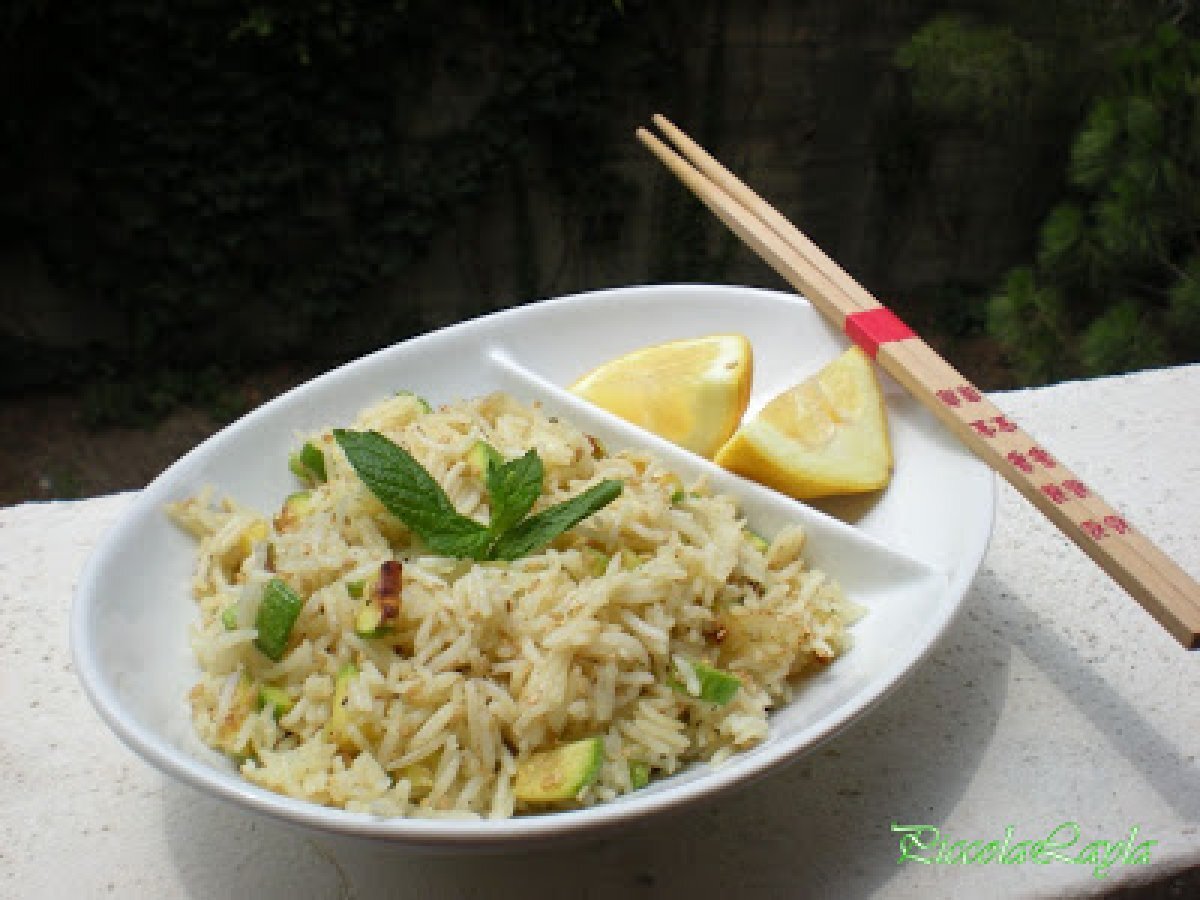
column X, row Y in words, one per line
column 205, row 203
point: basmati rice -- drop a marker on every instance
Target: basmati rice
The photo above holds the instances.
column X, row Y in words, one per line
column 489, row 663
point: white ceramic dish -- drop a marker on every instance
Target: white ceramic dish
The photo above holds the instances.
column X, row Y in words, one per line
column 908, row 554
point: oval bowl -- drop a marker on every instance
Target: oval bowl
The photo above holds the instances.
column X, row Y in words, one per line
column 907, row 554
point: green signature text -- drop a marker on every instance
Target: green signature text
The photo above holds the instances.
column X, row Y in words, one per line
column 925, row 844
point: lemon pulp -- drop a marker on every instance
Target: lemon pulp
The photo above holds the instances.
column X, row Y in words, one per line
column 827, row 435
column 692, row 392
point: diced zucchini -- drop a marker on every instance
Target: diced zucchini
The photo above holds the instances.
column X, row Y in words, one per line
column 419, row 403
column 335, row 727
column 308, row 463
column 481, row 457
column 595, row 561
column 229, row 617
column 716, row 686
column 396, row 412
column 368, row 617
column 420, row 777
column 277, row 614
column 296, row 506
column 639, row 774
column 630, row 559
column 276, row 697
column 296, row 466
column 368, row 622
column 561, row 773
column 757, row 541
column 256, row 531
column 381, row 601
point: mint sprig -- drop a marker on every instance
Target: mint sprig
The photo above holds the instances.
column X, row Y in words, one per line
column 537, row 531
column 412, row 495
column 513, row 487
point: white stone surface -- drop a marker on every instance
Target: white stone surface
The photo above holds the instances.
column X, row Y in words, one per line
column 1052, row 699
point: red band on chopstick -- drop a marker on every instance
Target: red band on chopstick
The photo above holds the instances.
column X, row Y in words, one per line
column 873, row 327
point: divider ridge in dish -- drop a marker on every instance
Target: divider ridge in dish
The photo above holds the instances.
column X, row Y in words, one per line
column 863, row 564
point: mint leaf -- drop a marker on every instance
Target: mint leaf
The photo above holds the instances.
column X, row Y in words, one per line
column 416, row 499
column 513, row 487
column 411, row 495
column 459, row 539
column 537, row 531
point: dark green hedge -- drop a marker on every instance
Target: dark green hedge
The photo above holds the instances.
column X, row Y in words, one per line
column 1108, row 95
column 228, row 181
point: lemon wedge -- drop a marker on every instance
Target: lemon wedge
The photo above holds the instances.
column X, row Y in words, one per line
column 691, row 392
column 827, row 435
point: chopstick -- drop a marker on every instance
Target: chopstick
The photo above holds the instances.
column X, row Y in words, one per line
column 1151, row 577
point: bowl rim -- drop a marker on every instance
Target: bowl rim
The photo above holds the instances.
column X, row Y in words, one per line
column 465, row 834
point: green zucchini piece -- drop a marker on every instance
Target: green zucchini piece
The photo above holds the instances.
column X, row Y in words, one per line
column 298, row 502
column 229, row 617
column 308, row 463
column 296, row 466
column 369, row 616
column 639, row 774
column 335, row 727
column 419, row 403
column 277, row 697
column 296, row 506
column 757, row 541
column 277, row 614
column 595, row 562
column 420, row 778
column 561, row 773
column 380, row 594
column 716, row 686
column 631, row 559
column 481, row 457
column 368, row 622
column 254, row 531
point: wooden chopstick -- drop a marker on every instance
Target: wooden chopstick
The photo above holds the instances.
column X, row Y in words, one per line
column 1163, row 589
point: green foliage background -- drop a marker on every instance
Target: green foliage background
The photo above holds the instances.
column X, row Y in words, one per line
column 1113, row 280
column 232, row 180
